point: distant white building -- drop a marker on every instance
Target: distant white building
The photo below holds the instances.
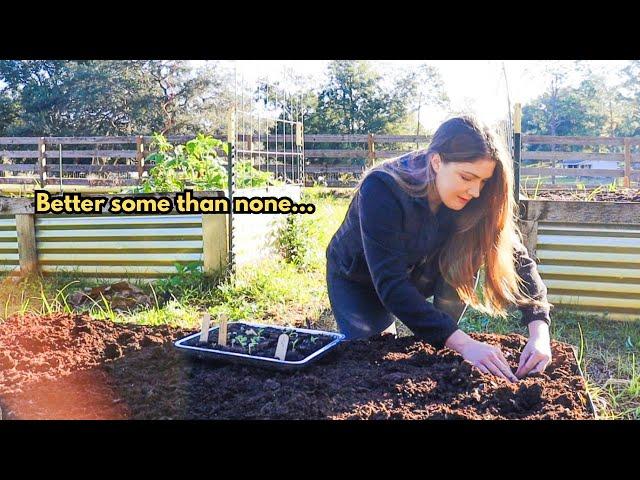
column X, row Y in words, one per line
column 591, row 164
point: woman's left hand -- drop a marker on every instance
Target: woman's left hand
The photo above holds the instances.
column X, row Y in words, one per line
column 536, row 355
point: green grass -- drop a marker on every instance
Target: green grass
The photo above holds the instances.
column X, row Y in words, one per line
column 279, row 292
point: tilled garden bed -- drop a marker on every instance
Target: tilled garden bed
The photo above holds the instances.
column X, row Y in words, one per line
column 595, row 195
column 70, row 366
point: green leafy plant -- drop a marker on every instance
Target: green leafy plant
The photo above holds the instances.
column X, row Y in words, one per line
column 294, row 240
column 293, row 338
column 248, row 176
column 180, row 277
column 254, row 338
column 189, row 283
column 253, row 342
column 196, row 165
column 240, row 339
column 193, row 165
column 248, row 339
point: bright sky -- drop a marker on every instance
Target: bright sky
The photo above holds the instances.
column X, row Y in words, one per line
column 477, row 86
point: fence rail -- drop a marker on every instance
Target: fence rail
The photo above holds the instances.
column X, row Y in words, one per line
column 590, row 163
column 120, row 161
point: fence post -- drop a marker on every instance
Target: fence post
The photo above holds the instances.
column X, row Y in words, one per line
column 139, row 156
column 42, row 162
column 300, row 151
column 372, row 150
column 517, row 149
column 27, row 253
column 231, row 184
column 627, row 163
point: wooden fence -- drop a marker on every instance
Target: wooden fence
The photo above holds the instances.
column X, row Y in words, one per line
column 543, row 163
column 610, row 158
column 120, row 161
column 96, row 161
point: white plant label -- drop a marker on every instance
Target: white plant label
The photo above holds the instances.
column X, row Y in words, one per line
column 204, row 330
column 222, row 331
column 281, row 349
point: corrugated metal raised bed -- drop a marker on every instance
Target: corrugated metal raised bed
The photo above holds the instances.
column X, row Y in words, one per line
column 8, row 243
column 588, row 254
column 134, row 246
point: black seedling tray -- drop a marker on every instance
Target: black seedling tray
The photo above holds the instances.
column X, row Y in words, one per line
column 191, row 346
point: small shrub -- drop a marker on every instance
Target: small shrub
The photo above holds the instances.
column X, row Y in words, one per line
column 294, row 240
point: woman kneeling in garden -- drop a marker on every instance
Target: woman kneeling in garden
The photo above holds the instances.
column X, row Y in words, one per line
column 423, row 225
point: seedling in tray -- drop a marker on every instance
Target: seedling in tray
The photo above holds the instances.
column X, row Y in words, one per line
column 257, row 344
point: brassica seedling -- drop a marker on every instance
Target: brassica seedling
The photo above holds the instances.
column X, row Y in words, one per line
column 254, row 342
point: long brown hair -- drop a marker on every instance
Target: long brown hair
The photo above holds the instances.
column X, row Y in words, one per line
column 486, row 231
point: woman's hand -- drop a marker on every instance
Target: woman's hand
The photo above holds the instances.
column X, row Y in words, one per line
column 536, row 355
column 487, row 358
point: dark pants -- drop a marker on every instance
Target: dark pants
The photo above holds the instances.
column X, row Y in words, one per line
column 360, row 314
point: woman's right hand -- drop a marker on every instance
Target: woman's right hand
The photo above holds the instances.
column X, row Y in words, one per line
column 487, row 358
